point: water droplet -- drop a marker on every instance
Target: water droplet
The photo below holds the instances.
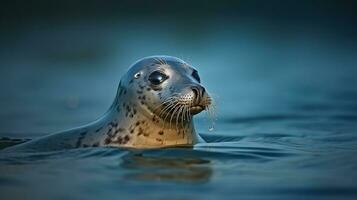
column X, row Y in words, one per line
column 211, row 128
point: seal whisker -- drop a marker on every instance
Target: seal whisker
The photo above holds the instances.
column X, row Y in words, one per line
column 167, row 108
column 183, row 117
column 188, row 114
column 174, row 113
column 163, row 106
column 186, row 119
column 163, row 119
column 160, row 61
column 157, row 60
column 178, row 117
column 188, row 111
column 167, row 100
column 169, row 111
column 164, row 61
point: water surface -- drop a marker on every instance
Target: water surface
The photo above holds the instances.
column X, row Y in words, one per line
column 286, row 103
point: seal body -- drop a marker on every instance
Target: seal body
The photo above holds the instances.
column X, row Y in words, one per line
column 153, row 108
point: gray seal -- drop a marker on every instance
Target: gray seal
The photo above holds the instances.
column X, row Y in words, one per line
column 154, row 106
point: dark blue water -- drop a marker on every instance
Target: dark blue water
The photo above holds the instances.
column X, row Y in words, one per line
column 286, row 109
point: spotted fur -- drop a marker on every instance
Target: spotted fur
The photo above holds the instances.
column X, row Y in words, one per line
column 134, row 120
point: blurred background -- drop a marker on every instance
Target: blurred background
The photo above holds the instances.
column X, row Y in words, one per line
column 283, row 74
column 61, row 61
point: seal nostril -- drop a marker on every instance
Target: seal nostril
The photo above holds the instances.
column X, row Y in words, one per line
column 198, row 90
column 195, row 91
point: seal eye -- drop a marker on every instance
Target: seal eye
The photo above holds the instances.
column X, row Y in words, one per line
column 196, row 76
column 137, row 75
column 157, row 77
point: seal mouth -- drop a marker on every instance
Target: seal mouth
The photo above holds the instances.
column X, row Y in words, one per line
column 196, row 109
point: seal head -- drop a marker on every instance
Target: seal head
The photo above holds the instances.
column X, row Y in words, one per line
column 160, row 94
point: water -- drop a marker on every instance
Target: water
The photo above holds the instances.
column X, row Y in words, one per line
column 286, row 100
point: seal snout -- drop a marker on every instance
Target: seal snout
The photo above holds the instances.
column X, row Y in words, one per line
column 200, row 101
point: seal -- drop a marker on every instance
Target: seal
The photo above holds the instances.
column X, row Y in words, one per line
column 154, row 107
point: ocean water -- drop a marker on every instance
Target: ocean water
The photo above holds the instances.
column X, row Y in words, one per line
column 286, row 100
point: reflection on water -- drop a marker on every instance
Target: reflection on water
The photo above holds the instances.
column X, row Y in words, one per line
column 156, row 168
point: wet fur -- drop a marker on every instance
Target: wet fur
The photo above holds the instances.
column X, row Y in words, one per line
column 142, row 116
